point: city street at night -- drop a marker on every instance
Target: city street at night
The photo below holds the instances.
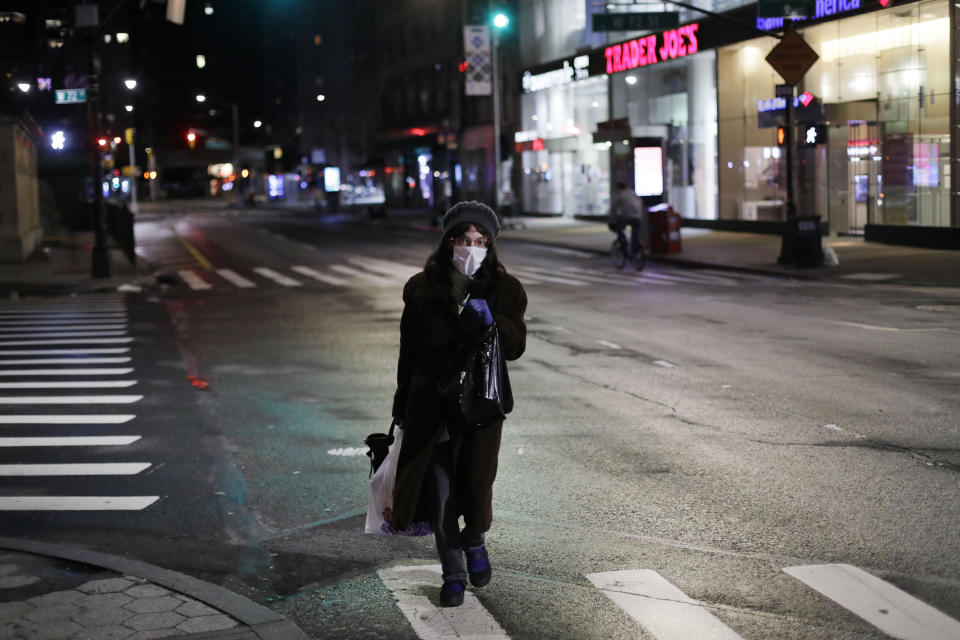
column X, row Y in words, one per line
column 716, row 428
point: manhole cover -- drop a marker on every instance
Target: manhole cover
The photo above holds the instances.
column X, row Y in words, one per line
column 938, row 307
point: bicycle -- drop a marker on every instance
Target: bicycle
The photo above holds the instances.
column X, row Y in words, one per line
column 620, row 251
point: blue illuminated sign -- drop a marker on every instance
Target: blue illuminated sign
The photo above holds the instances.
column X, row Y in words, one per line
column 822, row 9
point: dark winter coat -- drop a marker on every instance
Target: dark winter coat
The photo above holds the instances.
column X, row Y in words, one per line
column 430, row 328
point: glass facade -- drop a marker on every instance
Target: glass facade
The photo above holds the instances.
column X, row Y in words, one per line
column 873, row 123
column 563, row 172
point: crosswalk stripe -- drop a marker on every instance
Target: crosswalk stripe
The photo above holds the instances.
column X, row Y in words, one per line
column 356, row 273
column 555, row 279
column 64, row 324
column 68, row 441
column 279, row 278
column 120, row 418
column 894, row 612
column 429, row 622
column 74, row 469
column 120, row 360
column 85, row 384
column 664, row 611
column 386, row 267
column 106, row 371
column 111, row 316
column 62, row 352
column 64, row 334
column 319, row 276
column 580, row 276
column 193, row 280
column 40, row 314
column 76, row 503
column 118, row 399
column 235, row 278
column 37, row 343
column 61, row 328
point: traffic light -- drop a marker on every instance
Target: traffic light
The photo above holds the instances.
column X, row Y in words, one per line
column 781, row 136
column 192, row 139
column 102, row 142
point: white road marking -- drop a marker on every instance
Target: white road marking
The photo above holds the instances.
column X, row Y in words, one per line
column 235, row 278
column 119, row 418
column 858, row 325
column 661, row 283
column 317, row 275
column 91, row 325
column 279, row 278
column 356, row 273
column 108, row 316
column 64, row 334
column 76, row 503
column 430, row 622
column 54, row 312
column 120, row 360
column 555, row 279
column 193, row 280
column 37, row 343
column 119, row 371
column 871, row 277
column 833, row 427
column 348, row 451
column 75, row 469
column 386, row 267
column 86, row 384
column 592, row 277
column 62, row 352
column 611, row 345
column 664, row 363
column 883, row 605
column 68, row 441
column 660, row 608
column 121, row 399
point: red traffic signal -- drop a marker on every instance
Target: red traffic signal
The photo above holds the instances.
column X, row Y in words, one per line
column 781, row 136
column 192, row 139
column 102, row 142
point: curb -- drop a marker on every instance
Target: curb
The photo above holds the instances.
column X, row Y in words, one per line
column 264, row 622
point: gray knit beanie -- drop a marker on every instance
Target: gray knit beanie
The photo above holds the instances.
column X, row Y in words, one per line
column 474, row 212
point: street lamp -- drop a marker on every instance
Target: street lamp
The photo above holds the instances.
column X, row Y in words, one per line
column 257, row 124
column 321, row 97
column 129, row 108
column 24, row 86
column 500, row 21
column 130, row 83
column 201, row 97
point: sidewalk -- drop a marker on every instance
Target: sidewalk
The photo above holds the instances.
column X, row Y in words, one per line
column 51, row 591
column 859, row 261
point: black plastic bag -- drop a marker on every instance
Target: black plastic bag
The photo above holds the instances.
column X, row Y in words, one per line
column 476, row 382
column 379, row 444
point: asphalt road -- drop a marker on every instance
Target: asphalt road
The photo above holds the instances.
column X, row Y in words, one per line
column 712, row 427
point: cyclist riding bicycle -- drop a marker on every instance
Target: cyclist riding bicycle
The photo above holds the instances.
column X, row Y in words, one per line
column 626, row 209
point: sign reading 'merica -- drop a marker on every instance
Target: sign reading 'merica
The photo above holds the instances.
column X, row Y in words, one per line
column 821, row 9
column 565, row 74
column 657, row 47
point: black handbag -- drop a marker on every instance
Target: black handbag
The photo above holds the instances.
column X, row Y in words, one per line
column 379, row 445
column 476, row 382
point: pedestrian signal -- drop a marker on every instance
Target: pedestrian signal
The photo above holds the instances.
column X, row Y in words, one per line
column 781, row 136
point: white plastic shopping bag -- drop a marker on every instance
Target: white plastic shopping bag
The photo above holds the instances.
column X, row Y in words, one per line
column 380, row 499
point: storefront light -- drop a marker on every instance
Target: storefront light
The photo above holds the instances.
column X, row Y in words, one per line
column 595, row 105
column 631, row 80
column 535, row 117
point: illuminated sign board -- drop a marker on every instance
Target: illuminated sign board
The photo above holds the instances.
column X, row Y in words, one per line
column 570, row 70
column 648, row 171
column 821, row 9
column 657, row 47
column 779, row 104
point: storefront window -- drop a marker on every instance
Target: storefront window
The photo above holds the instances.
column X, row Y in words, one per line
column 880, row 90
column 563, row 171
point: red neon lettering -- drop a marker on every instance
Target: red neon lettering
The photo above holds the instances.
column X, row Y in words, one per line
column 681, row 43
column 651, row 49
column 636, row 54
column 692, row 37
column 644, row 52
column 608, row 52
column 617, row 60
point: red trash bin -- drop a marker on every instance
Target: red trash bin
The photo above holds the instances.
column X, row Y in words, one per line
column 664, row 229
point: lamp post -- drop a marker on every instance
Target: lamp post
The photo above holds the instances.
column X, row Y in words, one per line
column 100, row 266
column 500, row 21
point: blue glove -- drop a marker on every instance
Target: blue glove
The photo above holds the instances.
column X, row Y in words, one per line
column 480, row 308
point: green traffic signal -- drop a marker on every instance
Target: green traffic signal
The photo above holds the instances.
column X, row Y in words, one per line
column 501, row 20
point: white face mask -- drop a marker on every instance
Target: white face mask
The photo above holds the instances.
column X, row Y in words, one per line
column 467, row 260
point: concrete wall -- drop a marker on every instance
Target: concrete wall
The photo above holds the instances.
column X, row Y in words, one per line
column 20, row 230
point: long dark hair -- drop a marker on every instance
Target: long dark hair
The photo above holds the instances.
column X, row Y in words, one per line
column 438, row 265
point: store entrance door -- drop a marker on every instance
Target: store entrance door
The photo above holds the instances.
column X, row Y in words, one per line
column 854, row 177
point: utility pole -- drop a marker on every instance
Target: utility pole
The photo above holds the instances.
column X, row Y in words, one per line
column 496, row 121
column 100, row 258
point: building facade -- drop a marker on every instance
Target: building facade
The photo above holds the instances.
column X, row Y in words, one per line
column 690, row 116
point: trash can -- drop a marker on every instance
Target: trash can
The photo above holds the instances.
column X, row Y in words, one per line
column 802, row 242
column 664, row 225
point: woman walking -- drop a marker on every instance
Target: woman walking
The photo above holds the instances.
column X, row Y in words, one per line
column 446, row 470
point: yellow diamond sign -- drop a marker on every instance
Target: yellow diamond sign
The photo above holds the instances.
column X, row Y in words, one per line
column 792, row 57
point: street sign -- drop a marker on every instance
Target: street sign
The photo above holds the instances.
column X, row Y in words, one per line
column 792, row 57
column 643, row 21
column 784, row 8
column 70, row 96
